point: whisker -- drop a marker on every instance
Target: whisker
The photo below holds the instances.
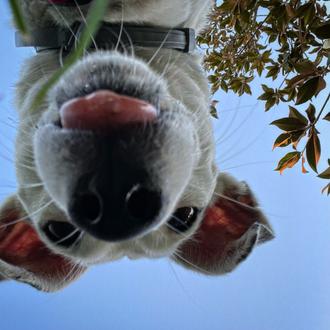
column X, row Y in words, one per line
column 27, row 217
column 121, row 28
column 243, row 149
column 67, row 237
column 85, row 22
column 159, row 48
column 191, row 264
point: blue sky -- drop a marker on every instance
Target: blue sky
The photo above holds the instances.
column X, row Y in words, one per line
column 284, row 284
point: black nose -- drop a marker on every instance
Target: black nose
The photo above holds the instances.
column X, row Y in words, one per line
column 116, row 201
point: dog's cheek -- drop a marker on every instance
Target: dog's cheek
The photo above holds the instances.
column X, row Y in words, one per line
column 24, row 257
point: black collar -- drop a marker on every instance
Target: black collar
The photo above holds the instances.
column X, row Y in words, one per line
column 107, row 37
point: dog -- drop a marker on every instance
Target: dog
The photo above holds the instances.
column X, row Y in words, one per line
column 119, row 160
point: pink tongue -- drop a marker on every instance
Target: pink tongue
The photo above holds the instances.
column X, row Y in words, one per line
column 104, row 110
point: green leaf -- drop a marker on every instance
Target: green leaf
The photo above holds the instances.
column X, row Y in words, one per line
column 309, row 89
column 273, row 71
column 214, row 112
column 282, row 140
column 288, row 161
column 289, row 124
column 18, row 17
column 323, row 30
column 327, row 117
column 313, row 150
column 325, row 174
column 93, row 20
column 305, row 67
column 213, row 109
column 294, row 113
column 270, row 103
column 311, row 113
column 326, row 189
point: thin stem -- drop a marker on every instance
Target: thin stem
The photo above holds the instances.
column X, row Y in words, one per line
column 323, row 107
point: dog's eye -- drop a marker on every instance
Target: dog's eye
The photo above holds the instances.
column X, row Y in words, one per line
column 69, row 2
column 183, row 219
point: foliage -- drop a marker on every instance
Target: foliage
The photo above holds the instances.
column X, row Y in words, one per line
column 18, row 17
column 283, row 41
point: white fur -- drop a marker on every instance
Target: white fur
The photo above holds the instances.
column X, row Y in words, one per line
column 183, row 91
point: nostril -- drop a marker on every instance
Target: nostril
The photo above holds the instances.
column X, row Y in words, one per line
column 143, row 204
column 88, row 208
column 61, row 233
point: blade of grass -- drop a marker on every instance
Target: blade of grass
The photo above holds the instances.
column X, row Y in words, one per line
column 93, row 20
column 18, row 17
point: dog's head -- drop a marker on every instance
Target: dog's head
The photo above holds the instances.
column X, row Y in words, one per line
column 119, row 161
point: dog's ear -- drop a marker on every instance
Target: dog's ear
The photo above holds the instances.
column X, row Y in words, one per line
column 232, row 226
column 25, row 258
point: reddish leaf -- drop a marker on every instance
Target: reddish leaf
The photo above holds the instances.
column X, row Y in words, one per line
column 288, row 161
column 282, row 140
column 303, row 169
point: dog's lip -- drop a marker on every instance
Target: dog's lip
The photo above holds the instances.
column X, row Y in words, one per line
column 91, row 89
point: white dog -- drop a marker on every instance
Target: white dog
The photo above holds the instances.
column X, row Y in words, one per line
column 120, row 159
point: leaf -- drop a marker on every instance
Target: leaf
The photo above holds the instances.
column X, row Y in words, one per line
column 325, row 174
column 224, row 86
column 213, row 109
column 214, row 112
column 288, row 124
column 327, row 117
column 305, row 67
column 273, row 71
column 282, row 140
column 270, row 103
column 313, row 150
column 323, row 30
column 296, row 137
column 311, row 113
column 296, row 80
column 18, row 17
column 93, row 20
column 294, row 113
column 288, row 161
column 309, row 89
column 303, row 169
column 326, row 189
